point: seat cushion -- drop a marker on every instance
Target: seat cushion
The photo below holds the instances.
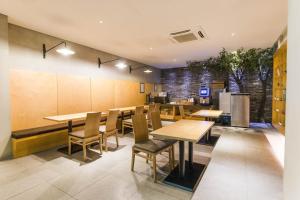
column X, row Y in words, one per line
column 152, row 146
column 166, row 123
column 102, row 128
column 127, row 121
column 79, row 134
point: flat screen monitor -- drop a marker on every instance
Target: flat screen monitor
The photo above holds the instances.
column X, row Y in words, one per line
column 204, row 92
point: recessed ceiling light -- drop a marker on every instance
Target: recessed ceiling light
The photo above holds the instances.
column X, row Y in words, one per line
column 65, row 51
column 233, row 34
column 151, row 48
column 148, row 71
column 100, row 22
column 121, row 65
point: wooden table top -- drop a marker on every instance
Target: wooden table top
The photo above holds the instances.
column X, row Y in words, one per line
column 130, row 108
column 184, row 130
column 69, row 117
column 208, row 113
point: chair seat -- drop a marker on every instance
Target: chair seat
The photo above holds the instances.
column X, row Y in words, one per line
column 127, row 121
column 102, row 128
column 79, row 134
column 153, row 146
column 166, row 123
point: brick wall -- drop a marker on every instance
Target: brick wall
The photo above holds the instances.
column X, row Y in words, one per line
column 185, row 82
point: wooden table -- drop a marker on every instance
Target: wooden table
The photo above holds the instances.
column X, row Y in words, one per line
column 126, row 109
column 208, row 114
column 69, row 118
column 186, row 175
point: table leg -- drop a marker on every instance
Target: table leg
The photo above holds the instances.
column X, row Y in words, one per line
column 181, row 159
column 190, row 155
column 70, row 126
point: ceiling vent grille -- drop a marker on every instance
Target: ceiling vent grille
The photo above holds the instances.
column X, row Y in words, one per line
column 187, row 35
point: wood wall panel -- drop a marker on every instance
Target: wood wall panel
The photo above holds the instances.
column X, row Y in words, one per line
column 149, row 88
column 74, row 94
column 33, row 96
column 127, row 93
column 103, row 94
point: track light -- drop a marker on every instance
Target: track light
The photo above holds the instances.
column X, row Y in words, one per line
column 64, row 51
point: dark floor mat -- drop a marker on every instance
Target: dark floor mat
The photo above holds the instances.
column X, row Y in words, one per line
column 75, row 148
column 211, row 142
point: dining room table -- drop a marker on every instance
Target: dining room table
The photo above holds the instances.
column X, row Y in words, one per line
column 208, row 115
column 69, row 118
column 186, row 174
column 130, row 109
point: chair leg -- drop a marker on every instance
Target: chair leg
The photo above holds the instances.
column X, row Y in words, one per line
column 170, row 159
column 132, row 160
column 173, row 156
column 147, row 159
column 105, row 143
column 123, row 129
column 117, row 140
column 154, row 167
column 84, row 151
column 70, row 146
column 100, row 145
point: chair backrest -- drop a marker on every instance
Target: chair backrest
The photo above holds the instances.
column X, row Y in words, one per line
column 155, row 120
column 181, row 111
column 91, row 127
column 150, row 110
column 157, row 107
column 111, row 122
column 139, row 110
column 140, row 128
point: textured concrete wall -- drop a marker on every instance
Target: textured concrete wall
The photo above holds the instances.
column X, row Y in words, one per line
column 5, row 144
column 185, row 82
column 26, row 53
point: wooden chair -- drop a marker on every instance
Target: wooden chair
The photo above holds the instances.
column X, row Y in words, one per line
column 182, row 113
column 147, row 146
column 157, row 107
column 110, row 128
column 157, row 124
column 128, row 122
column 87, row 136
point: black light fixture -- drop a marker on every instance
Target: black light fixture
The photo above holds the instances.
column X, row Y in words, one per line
column 120, row 65
column 145, row 67
column 64, row 51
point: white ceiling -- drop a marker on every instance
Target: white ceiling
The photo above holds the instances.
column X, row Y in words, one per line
column 131, row 27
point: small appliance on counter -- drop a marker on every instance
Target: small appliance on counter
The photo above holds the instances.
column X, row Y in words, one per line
column 205, row 96
column 162, row 98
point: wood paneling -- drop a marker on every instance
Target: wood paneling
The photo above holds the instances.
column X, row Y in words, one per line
column 33, row 96
column 127, row 93
column 279, row 88
column 149, row 88
column 74, row 94
column 103, row 94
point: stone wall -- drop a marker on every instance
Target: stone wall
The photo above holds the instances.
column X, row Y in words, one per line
column 185, row 82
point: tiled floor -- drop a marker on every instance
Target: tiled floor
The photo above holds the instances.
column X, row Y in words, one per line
column 53, row 175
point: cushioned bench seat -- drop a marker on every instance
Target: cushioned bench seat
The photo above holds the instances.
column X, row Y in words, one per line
column 28, row 141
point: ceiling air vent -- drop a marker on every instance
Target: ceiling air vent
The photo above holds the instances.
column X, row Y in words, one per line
column 187, row 35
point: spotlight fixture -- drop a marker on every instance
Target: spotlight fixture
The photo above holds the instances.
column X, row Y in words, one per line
column 148, row 71
column 100, row 62
column 121, row 65
column 146, row 68
column 64, row 51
